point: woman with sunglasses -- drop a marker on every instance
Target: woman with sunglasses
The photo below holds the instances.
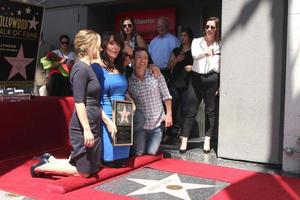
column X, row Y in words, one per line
column 58, row 85
column 204, row 82
column 130, row 35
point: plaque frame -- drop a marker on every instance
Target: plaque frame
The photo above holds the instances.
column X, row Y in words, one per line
column 124, row 124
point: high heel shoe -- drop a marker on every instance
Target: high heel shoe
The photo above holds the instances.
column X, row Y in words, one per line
column 183, row 145
column 182, row 151
column 206, row 145
column 46, row 157
column 32, row 168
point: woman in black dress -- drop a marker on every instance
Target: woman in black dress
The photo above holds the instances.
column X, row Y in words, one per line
column 84, row 129
column 180, row 59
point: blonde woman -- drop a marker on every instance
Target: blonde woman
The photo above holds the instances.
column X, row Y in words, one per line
column 84, row 127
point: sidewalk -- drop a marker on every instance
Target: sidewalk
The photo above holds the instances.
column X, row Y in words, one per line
column 195, row 153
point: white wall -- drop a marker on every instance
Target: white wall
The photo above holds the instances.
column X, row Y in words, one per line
column 291, row 162
column 250, row 123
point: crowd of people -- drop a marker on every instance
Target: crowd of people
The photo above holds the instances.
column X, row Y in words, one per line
column 162, row 79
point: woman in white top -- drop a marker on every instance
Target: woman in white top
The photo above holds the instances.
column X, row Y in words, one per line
column 204, row 81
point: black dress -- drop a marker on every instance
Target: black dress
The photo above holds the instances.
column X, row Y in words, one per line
column 179, row 76
column 86, row 89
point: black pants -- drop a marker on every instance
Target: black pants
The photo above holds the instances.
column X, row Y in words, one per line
column 58, row 85
column 201, row 86
column 179, row 98
column 166, row 74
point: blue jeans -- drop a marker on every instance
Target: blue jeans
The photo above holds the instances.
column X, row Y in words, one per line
column 145, row 141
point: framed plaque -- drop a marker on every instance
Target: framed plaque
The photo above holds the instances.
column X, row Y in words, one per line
column 123, row 118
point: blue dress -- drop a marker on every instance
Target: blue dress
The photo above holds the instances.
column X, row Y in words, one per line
column 113, row 87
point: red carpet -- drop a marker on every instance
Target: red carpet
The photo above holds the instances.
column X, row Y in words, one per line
column 68, row 184
column 243, row 184
column 16, row 178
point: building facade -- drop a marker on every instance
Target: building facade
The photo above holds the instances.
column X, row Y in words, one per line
column 260, row 93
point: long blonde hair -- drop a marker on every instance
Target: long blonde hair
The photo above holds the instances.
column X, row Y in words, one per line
column 85, row 40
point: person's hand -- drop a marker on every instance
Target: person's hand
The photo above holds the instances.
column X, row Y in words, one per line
column 154, row 70
column 210, row 52
column 179, row 58
column 188, row 68
column 217, row 92
column 88, row 138
column 133, row 108
column 111, row 126
column 168, row 121
column 62, row 61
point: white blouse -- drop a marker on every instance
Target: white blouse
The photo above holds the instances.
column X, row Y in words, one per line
column 205, row 64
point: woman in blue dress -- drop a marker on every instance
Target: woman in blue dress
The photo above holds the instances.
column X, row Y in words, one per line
column 110, row 74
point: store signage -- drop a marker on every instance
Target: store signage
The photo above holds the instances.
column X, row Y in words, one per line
column 145, row 21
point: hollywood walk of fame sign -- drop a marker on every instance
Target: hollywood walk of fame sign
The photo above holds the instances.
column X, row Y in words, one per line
column 123, row 118
column 20, row 29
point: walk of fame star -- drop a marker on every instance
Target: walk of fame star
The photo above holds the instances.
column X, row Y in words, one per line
column 19, row 64
column 33, row 23
column 170, row 185
column 28, row 10
column 124, row 115
column 4, row 195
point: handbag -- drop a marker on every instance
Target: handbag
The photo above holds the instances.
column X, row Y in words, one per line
column 173, row 131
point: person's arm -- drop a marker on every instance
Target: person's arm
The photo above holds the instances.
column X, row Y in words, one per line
column 140, row 41
column 174, row 60
column 154, row 70
column 168, row 118
column 167, row 99
column 198, row 52
column 79, row 80
column 56, row 64
column 82, row 116
column 111, row 126
column 129, row 98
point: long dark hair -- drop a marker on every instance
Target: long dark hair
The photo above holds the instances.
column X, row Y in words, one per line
column 189, row 32
column 118, row 62
column 123, row 34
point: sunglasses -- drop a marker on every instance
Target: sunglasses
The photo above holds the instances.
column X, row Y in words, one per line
column 127, row 55
column 211, row 27
column 62, row 42
column 127, row 25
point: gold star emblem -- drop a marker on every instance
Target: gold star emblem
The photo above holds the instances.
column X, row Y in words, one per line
column 124, row 115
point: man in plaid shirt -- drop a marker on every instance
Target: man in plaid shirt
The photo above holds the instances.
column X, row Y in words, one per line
column 148, row 93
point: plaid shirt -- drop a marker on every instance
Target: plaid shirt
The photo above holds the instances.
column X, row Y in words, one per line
column 148, row 96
